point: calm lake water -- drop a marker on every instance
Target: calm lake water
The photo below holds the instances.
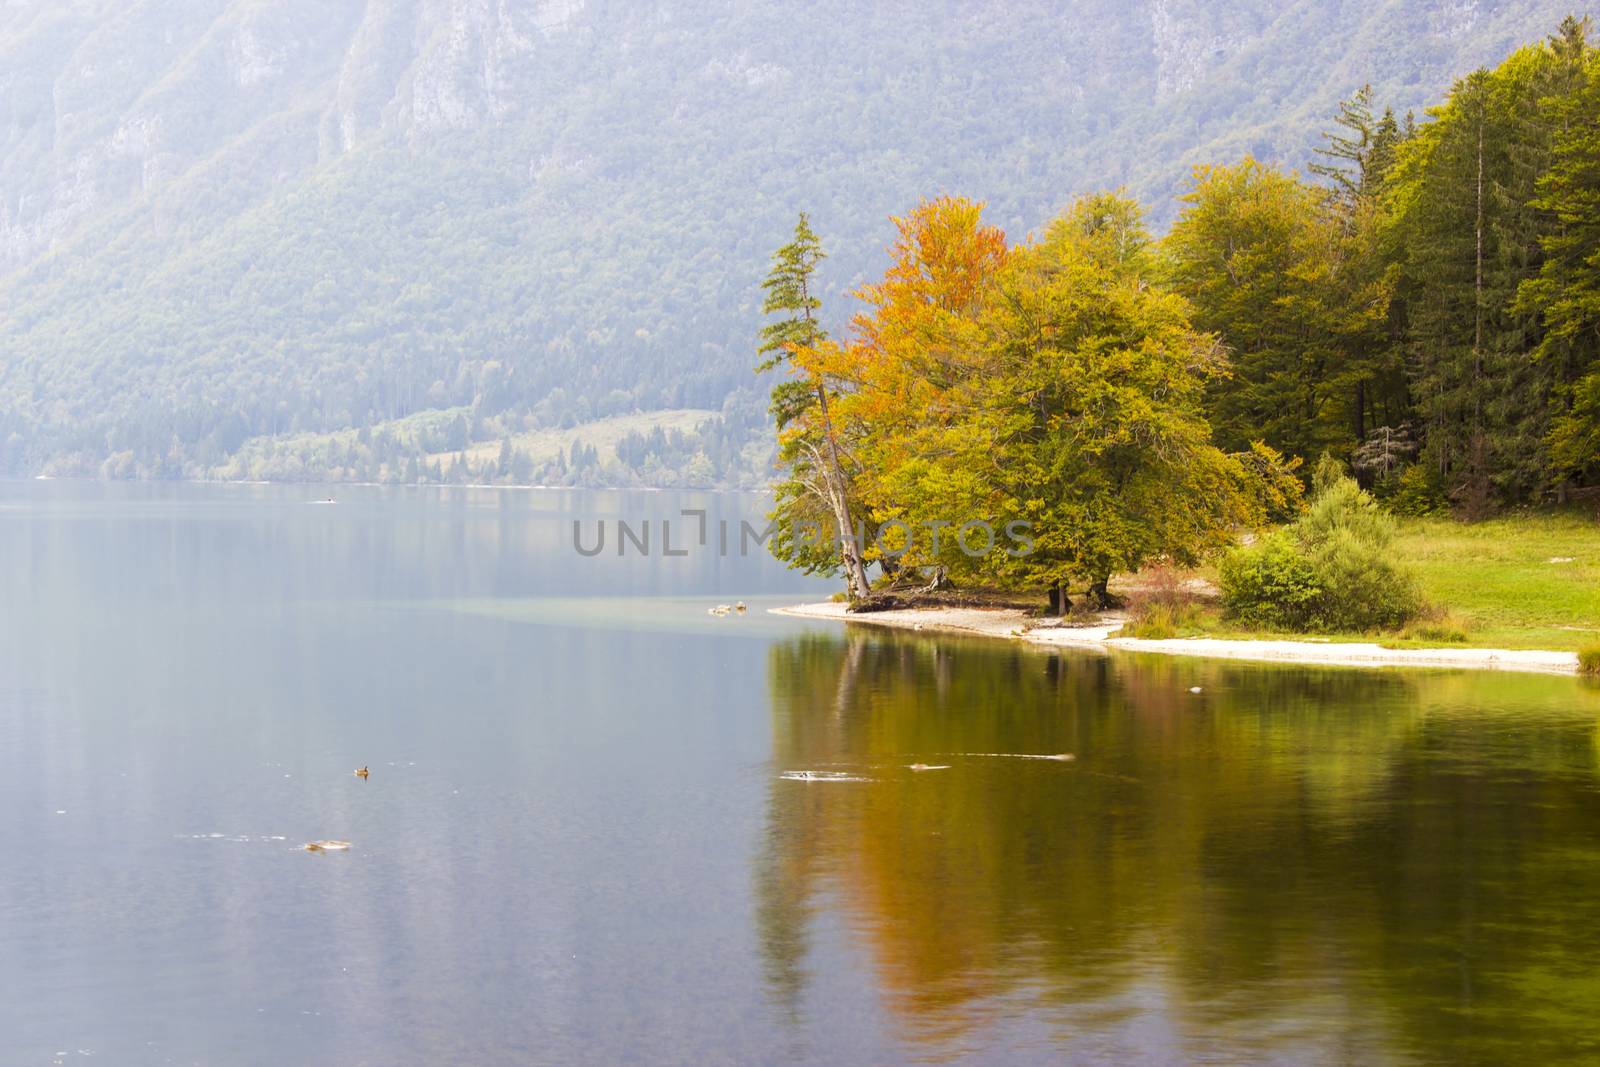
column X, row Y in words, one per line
column 577, row 843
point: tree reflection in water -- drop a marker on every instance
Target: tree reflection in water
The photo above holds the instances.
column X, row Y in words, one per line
column 1361, row 864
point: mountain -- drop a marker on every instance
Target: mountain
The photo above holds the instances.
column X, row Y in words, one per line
column 225, row 222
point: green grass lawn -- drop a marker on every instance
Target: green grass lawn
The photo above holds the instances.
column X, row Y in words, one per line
column 1526, row 581
column 1498, row 577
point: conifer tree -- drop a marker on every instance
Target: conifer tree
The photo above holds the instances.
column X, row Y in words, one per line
column 1473, row 237
column 1379, row 161
column 817, row 488
column 1348, row 151
column 1566, row 293
column 1366, row 367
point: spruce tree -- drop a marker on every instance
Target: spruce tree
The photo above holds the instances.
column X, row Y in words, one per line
column 1379, row 161
column 1474, row 236
column 1348, row 150
column 1566, row 292
column 1366, row 365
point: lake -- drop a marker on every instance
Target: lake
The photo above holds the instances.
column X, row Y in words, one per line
column 603, row 826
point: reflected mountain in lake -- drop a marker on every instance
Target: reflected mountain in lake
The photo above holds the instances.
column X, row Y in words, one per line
column 1333, row 865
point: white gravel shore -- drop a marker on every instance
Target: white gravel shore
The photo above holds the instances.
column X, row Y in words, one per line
column 1001, row 622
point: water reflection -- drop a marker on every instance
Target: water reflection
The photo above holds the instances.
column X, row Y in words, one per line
column 574, row 768
column 1297, row 863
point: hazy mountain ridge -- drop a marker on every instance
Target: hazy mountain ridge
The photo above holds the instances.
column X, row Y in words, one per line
column 231, row 219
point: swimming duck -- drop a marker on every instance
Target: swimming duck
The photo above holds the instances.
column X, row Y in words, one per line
column 361, row 772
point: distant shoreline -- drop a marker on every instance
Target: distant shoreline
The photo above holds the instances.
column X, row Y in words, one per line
column 1016, row 625
column 760, row 490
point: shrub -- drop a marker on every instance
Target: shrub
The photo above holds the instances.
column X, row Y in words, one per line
column 1083, row 610
column 1589, row 660
column 1330, row 570
column 1159, row 622
column 1341, row 505
column 1328, row 472
column 1163, row 606
column 1363, row 587
column 1271, row 585
column 1417, row 491
column 1161, row 584
column 1439, row 628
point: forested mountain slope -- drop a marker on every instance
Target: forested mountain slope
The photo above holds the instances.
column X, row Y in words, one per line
column 228, row 219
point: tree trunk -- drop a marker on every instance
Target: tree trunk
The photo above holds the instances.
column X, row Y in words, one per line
column 1477, row 490
column 855, row 574
column 1103, row 597
column 856, row 587
column 1060, row 603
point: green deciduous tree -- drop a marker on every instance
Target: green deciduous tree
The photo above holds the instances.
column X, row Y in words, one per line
column 1096, row 406
column 1286, row 279
column 1050, row 388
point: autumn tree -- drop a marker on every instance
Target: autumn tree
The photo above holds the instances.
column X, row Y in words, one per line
column 1092, row 411
column 1039, row 406
column 917, row 349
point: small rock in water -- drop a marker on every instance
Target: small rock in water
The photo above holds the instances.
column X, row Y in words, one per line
column 822, row 776
column 327, row 846
column 362, row 772
column 740, row 608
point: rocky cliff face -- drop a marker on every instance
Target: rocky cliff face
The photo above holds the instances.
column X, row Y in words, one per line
column 102, row 103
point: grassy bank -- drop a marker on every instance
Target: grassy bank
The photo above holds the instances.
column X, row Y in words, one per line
column 1531, row 581
column 1526, row 581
